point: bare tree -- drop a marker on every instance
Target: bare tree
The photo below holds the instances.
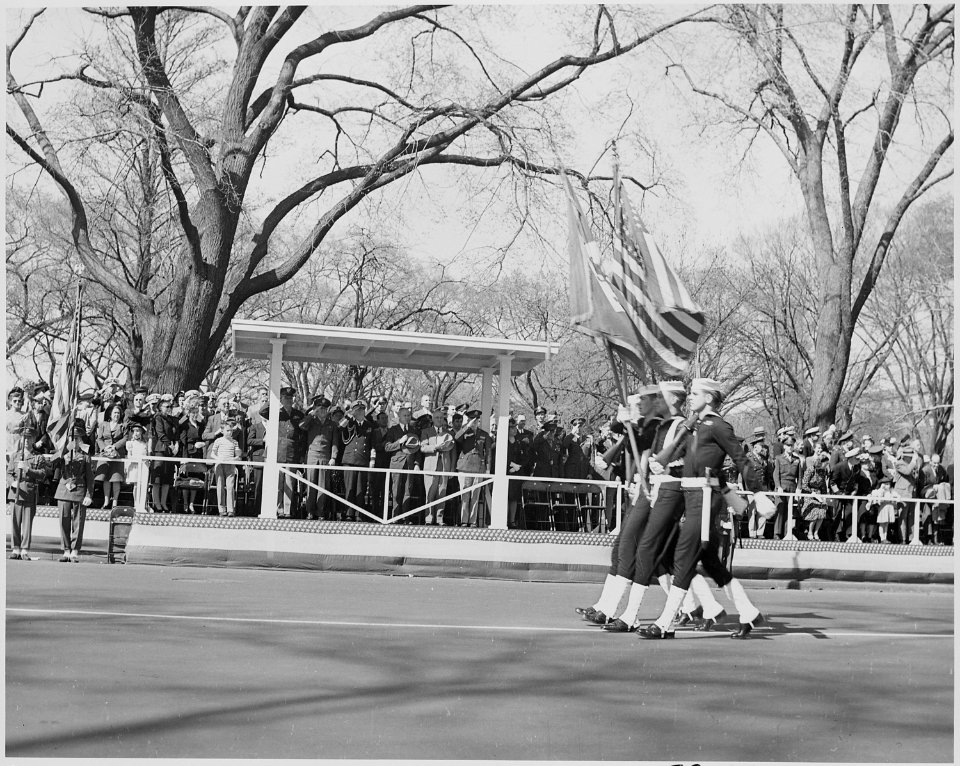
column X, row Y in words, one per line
column 803, row 88
column 213, row 144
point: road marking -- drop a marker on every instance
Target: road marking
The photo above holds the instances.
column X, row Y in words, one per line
column 813, row 633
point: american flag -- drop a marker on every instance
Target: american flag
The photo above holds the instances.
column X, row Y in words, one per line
column 667, row 321
column 594, row 308
column 61, row 411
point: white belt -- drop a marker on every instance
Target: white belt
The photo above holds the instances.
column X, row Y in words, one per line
column 699, row 482
column 664, row 479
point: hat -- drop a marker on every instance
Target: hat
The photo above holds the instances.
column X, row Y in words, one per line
column 845, row 436
column 153, row 398
column 865, row 457
column 781, row 432
column 86, row 396
column 141, row 390
column 550, row 418
column 79, row 429
column 131, row 424
column 876, row 449
column 886, row 480
column 166, row 397
column 760, row 431
column 288, row 391
column 814, row 431
column 193, row 392
column 706, row 385
column 474, row 414
column 337, row 408
column 404, row 406
column 521, row 418
column 320, row 401
column 755, row 439
column 422, row 413
column 649, row 390
column 540, row 411
column 15, row 390
column 457, row 414
column 578, row 421
column 852, row 452
column 671, row 387
column 791, row 430
column 464, row 407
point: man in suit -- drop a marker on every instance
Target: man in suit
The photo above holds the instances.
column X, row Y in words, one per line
column 473, row 448
column 398, row 444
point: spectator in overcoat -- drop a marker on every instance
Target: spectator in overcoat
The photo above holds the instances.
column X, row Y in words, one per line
column 165, row 443
column 473, row 450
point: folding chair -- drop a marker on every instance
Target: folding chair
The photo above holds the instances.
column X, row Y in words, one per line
column 592, row 507
column 564, row 506
column 121, row 521
column 535, row 498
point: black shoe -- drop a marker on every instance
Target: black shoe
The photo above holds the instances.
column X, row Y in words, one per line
column 588, row 613
column 582, row 610
column 707, row 623
column 653, row 632
column 619, row 626
column 692, row 618
column 597, row 618
column 743, row 632
column 65, row 558
column 14, row 556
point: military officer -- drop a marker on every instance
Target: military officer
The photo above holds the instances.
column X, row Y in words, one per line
column 321, row 433
column 25, row 471
column 473, row 456
column 576, row 450
column 712, row 440
column 545, row 450
column 356, row 438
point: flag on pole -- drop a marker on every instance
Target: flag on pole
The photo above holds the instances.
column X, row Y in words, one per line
column 61, row 411
column 666, row 320
column 594, row 308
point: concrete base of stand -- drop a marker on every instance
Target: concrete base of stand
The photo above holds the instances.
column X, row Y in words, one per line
column 178, row 540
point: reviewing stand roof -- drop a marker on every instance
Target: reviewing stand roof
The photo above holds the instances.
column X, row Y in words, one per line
column 385, row 348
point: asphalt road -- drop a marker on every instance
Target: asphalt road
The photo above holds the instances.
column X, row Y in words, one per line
column 139, row 661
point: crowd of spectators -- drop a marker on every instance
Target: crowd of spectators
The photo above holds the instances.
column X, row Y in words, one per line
column 207, row 432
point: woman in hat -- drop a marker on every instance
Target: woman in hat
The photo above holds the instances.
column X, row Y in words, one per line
column 815, row 482
column 166, row 443
column 111, row 443
column 192, row 475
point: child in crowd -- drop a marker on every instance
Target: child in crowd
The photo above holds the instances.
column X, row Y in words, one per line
column 226, row 447
column 136, row 448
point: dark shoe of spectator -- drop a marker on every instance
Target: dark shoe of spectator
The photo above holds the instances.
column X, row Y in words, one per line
column 619, row 626
column 653, row 632
column 708, row 623
column 743, row 632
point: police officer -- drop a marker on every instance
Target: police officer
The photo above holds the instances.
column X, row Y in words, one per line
column 711, row 441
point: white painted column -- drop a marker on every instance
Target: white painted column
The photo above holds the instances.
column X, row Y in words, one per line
column 271, row 474
column 486, row 397
column 501, row 485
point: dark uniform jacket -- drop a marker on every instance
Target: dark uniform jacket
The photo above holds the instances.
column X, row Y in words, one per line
column 73, row 473
column 762, row 474
column 575, row 452
column 786, row 472
column 355, row 441
column 712, row 441
column 545, row 453
column 22, row 485
column 256, row 440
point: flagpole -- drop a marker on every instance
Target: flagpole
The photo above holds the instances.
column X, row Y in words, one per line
column 622, row 388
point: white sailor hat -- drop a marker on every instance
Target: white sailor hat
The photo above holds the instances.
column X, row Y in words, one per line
column 650, row 390
column 707, row 385
column 671, row 387
column 852, row 452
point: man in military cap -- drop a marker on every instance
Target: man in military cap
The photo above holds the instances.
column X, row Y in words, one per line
column 576, row 451
column 356, row 438
column 711, row 440
column 473, row 456
column 320, row 433
column 290, row 449
column 25, row 471
column 73, row 473
column 545, row 450
column 762, row 479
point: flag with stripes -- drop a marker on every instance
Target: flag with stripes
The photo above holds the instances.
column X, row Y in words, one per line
column 594, row 309
column 666, row 320
column 65, row 395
